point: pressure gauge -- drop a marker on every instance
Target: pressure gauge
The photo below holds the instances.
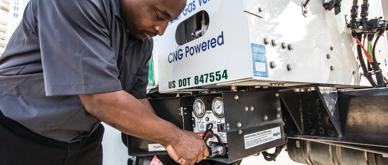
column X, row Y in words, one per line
column 199, row 108
column 218, row 107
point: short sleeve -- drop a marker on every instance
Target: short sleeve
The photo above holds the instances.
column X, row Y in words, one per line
column 76, row 50
column 139, row 90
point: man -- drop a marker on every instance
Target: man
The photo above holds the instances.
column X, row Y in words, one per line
column 73, row 63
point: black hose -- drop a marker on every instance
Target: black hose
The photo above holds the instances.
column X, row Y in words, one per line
column 375, row 44
column 272, row 156
column 376, row 67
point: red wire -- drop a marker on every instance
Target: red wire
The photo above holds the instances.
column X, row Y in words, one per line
column 364, row 50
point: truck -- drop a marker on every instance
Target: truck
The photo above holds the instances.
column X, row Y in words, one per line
column 307, row 76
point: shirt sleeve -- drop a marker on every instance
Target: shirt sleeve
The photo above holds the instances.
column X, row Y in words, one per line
column 139, row 90
column 76, row 50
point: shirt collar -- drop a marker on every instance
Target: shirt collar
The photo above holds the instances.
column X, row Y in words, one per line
column 117, row 10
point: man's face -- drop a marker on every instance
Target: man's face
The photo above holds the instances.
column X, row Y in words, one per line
column 148, row 18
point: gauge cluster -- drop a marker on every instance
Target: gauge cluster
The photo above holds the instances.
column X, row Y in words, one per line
column 208, row 110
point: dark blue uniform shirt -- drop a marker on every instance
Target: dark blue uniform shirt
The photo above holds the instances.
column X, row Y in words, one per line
column 63, row 48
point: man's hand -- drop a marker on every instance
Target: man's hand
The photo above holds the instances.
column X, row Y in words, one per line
column 188, row 149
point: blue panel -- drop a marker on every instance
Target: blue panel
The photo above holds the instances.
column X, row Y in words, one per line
column 260, row 68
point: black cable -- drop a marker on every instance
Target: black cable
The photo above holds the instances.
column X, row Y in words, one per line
column 363, row 66
column 375, row 43
column 364, row 10
column 208, row 132
column 272, row 157
column 376, row 67
column 353, row 15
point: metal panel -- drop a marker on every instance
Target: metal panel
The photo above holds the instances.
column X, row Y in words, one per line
column 166, row 108
column 314, row 110
column 247, row 113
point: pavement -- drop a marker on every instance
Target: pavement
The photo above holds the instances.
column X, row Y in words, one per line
column 282, row 159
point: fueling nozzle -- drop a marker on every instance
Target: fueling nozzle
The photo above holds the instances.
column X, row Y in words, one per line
column 216, row 149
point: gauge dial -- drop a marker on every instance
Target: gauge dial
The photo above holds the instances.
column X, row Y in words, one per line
column 199, row 108
column 218, row 107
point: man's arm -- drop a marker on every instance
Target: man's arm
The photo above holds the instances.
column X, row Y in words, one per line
column 129, row 115
column 147, row 104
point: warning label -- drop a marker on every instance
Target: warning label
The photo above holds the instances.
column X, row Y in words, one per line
column 155, row 147
column 259, row 138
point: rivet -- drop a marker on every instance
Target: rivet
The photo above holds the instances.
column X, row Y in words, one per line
column 277, row 95
column 279, row 109
column 265, row 117
column 273, row 43
column 332, row 68
column 266, row 42
column 247, row 109
column 284, row 45
column 328, row 56
column 239, row 125
column 236, row 97
column 252, row 108
column 289, row 67
column 289, row 47
column 331, row 48
column 278, row 116
column 353, row 72
column 297, row 144
column 240, row 132
column 260, row 10
column 272, row 64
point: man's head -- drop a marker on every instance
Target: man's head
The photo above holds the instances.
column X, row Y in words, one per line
column 148, row 18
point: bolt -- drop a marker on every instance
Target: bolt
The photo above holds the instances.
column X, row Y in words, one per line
column 272, row 64
column 239, row 125
column 297, row 144
column 289, row 67
column 236, row 97
column 266, row 42
column 265, row 117
column 289, row 47
column 284, row 45
column 273, row 43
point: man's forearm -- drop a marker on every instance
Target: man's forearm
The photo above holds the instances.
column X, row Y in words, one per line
column 129, row 115
column 147, row 104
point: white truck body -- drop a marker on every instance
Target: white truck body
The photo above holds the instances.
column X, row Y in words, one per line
column 322, row 50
